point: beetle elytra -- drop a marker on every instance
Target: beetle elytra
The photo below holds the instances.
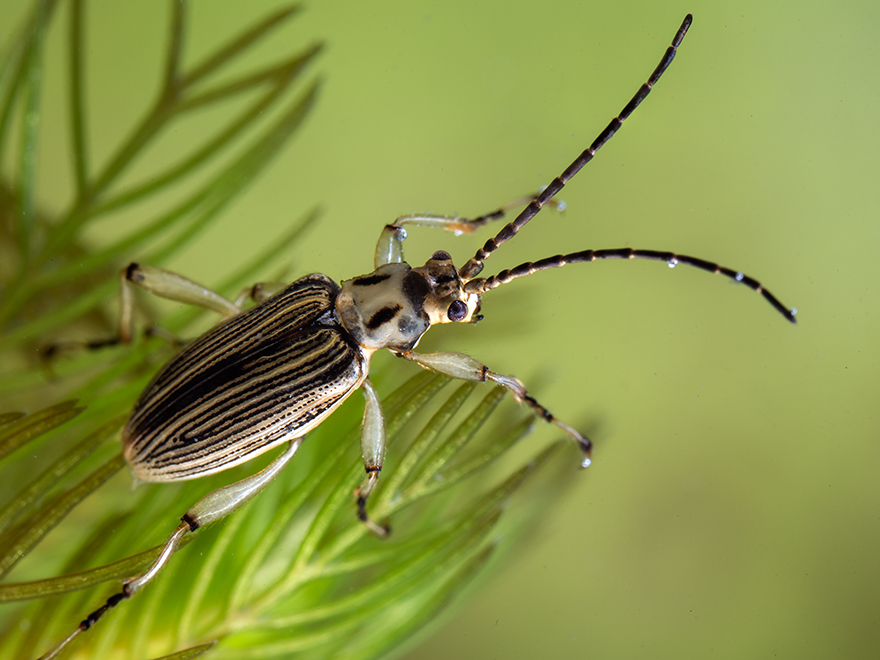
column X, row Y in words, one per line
column 269, row 374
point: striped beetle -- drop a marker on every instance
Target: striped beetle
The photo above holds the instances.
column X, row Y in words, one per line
column 268, row 375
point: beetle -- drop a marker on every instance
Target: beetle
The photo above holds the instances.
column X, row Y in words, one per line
column 269, row 374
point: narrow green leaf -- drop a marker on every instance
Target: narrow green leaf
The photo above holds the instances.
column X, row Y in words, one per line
column 240, row 44
column 171, row 78
column 25, row 220
column 420, row 613
column 247, row 273
column 117, row 570
column 457, row 473
column 52, row 607
column 18, row 57
column 463, row 434
column 25, row 428
column 59, row 316
column 121, row 249
column 215, row 197
column 9, row 417
column 236, row 178
column 223, row 138
column 427, row 438
column 51, row 515
column 280, row 76
column 399, row 407
column 25, row 500
column 169, row 105
column 436, row 556
column 192, row 652
column 395, row 417
column 79, row 150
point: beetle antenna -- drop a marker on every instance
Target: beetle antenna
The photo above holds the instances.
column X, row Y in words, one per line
column 475, row 265
column 482, row 285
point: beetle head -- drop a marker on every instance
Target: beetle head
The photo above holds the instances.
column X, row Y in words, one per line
column 446, row 299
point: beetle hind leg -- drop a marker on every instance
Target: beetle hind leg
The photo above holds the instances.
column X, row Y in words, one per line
column 214, row 506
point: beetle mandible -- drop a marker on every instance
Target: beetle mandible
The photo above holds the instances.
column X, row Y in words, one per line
column 269, row 374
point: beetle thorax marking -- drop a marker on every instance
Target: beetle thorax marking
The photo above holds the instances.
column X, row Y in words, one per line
column 394, row 306
column 383, row 309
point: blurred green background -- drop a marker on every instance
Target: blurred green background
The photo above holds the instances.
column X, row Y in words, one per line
column 733, row 508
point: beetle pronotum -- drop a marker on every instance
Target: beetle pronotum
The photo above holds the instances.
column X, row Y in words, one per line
column 269, row 374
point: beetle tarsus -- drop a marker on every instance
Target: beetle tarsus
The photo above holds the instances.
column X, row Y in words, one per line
column 380, row 530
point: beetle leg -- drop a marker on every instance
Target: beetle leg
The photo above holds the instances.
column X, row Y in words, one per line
column 464, row 367
column 162, row 283
column 165, row 284
column 259, row 292
column 214, row 506
column 389, row 249
column 373, row 450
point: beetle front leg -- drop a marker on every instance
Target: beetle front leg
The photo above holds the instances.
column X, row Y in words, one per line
column 373, row 451
column 214, row 506
column 464, row 367
column 389, row 249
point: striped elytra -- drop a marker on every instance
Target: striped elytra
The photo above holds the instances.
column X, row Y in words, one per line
column 245, row 386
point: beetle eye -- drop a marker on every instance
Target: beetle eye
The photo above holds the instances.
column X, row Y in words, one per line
column 441, row 255
column 457, row 311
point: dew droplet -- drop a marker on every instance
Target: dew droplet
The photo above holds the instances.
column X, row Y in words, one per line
column 672, row 263
column 586, row 463
column 739, row 277
column 793, row 311
column 561, row 205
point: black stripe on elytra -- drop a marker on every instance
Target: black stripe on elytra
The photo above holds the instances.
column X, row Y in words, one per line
column 369, row 280
column 383, row 316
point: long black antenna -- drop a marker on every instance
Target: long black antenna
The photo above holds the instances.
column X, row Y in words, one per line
column 481, row 285
column 475, row 265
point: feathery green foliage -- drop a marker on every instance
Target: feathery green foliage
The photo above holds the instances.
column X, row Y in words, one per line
column 294, row 574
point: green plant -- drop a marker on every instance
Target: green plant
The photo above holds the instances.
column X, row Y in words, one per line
column 294, row 574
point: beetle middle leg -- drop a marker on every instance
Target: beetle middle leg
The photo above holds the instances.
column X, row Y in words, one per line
column 464, row 367
column 373, row 451
column 213, row 507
